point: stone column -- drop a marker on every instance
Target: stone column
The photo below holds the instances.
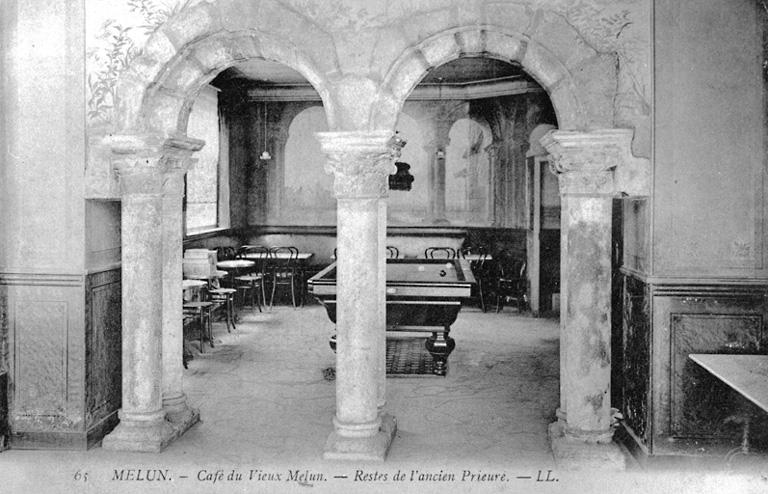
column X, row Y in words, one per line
column 142, row 424
column 493, row 185
column 361, row 163
column 585, row 164
column 177, row 161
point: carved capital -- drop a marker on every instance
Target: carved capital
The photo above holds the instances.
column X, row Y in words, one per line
column 597, row 162
column 144, row 162
column 360, row 161
column 493, row 149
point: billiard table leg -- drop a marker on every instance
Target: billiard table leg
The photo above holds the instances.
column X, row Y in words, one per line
column 440, row 346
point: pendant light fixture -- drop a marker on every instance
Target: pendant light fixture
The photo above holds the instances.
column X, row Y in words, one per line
column 265, row 154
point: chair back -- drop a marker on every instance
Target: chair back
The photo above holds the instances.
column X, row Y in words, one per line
column 440, row 253
column 393, row 252
column 283, row 260
column 261, row 257
column 225, row 253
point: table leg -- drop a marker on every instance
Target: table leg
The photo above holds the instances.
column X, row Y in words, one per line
column 440, row 345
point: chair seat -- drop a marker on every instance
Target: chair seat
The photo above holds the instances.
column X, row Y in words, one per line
column 222, row 291
column 249, row 277
column 197, row 305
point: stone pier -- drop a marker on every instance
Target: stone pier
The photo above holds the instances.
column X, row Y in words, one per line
column 142, row 424
column 177, row 161
column 586, row 164
column 361, row 163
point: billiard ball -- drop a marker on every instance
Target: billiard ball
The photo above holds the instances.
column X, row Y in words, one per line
column 442, row 272
column 421, row 268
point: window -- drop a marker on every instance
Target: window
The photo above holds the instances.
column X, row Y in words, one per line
column 206, row 197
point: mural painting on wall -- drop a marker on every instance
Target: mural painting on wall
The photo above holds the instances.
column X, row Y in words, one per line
column 116, row 31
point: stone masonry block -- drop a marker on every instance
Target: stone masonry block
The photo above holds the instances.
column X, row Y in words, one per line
column 243, row 47
column 385, row 111
column 276, row 49
column 568, row 106
column 183, row 75
column 408, row 75
column 441, row 49
column 213, row 53
column 471, row 41
column 543, row 65
column 503, row 45
column 159, row 48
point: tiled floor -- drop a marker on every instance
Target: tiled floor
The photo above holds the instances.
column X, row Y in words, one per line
column 266, row 410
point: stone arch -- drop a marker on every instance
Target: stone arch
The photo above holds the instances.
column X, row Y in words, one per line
column 569, row 94
column 156, row 94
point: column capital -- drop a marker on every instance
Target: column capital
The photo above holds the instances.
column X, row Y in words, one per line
column 142, row 160
column 493, row 149
column 360, row 161
column 597, row 162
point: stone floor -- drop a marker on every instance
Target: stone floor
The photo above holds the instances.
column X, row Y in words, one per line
column 266, row 410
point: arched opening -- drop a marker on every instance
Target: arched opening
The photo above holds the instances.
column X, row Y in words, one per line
column 156, row 98
column 467, row 172
column 585, row 161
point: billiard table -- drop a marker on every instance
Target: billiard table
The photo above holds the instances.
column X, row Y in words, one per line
column 423, row 295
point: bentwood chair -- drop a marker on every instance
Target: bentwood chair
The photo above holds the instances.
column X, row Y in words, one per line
column 480, row 270
column 511, row 283
column 222, row 297
column 440, row 253
column 200, row 310
column 253, row 283
column 225, row 253
column 284, row 271
column 393, row 252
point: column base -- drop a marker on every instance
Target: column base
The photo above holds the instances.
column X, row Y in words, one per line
column 147, row 436
column 181, row 417
column 371, row 448
column 572, row 453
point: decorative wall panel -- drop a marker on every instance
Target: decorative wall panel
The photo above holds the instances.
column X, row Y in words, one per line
column 40, row 351
column 103, row 345
column 700, row 402
column 636, row 346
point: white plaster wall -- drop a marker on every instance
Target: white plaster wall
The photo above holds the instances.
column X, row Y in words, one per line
column 42, row 222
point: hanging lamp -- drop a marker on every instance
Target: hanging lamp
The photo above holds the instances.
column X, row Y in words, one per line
column 265, row 154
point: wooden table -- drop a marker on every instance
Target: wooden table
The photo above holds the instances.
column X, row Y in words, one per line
column 746, row 374
column 235, row 264
column 302, row 257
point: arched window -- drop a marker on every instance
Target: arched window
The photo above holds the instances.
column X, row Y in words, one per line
column 467, row 173
column 308, row 197
column 206, row 197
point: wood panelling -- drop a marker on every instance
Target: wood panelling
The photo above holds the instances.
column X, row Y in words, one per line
column 686, row 404
column 103, row 338
column 635, row 380
column 699, row 402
